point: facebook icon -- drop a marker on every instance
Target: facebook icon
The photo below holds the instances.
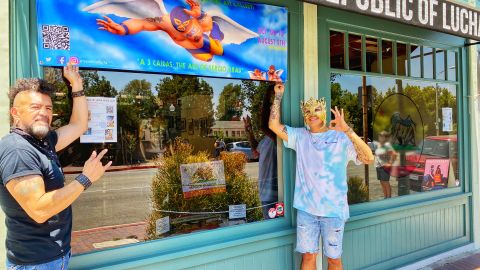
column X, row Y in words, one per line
column 61, row 60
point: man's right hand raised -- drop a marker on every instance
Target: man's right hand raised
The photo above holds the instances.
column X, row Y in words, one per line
column 93, row 168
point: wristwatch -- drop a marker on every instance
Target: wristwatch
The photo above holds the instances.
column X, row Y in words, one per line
column 80, row 93
column 82, row 179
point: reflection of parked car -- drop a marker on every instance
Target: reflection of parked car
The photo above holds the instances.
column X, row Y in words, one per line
column 242, row 146
column 432, row 147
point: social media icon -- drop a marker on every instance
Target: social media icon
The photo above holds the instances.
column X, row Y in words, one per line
column 74, row 60
column 61, row 60
column 48, row 59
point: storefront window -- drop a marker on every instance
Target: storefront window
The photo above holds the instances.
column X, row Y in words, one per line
column 415, row 61
column 337, row 49
column 402, row 64
column 372, row 54
column 452, row 65
column 355, row 52
column 427, row 63
column 411, row 127
column 182, row 159
column 440, row 64
column 387, row 57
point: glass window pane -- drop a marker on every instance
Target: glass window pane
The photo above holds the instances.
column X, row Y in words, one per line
column 427, row 63
column 355, row 52
column 337, row 50
column 440, row 64
column 452, row 65
column 372, row 54
column 346, row 92
column 180, row 140
column 410, row 127
column 415, row 61
column 402, row 59
column 387, row 57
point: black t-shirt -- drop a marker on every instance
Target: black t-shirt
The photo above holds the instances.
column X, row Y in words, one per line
column 27, row 241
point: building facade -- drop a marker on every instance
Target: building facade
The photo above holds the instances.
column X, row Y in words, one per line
column 416, row 84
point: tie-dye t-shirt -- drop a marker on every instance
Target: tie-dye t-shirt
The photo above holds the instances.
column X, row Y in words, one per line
column 321, row 173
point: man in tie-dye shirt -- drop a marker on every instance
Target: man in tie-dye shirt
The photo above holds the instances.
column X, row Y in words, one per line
column 323, row 153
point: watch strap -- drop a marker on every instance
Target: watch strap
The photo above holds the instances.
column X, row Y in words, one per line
column 84, row 181
column 80, row 93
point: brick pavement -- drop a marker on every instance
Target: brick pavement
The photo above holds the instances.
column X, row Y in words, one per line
column 83, row 241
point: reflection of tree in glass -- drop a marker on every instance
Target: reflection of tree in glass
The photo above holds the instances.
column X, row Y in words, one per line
column 348, row 101
column 171, row 89
column 254, row 93
column 93, row 84
column 423, row 96
column 230, row 103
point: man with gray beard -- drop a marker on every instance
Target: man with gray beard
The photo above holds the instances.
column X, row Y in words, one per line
column 33, row 194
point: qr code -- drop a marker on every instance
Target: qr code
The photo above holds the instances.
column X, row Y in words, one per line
column 56, row 37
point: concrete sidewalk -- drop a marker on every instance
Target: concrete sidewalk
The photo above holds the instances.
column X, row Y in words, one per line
column 465, row 261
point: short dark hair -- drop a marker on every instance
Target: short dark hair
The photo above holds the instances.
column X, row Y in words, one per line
column 31, row 84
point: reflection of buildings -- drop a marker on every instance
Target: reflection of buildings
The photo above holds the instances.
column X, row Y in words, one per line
column 196, row 120
column 234, row 129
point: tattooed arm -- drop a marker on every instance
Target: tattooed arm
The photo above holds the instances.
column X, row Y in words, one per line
column 29, row 191
column 274, row 121
column 364, row 153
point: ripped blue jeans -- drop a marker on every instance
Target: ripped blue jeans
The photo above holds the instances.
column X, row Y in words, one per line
column 57, row 264
column 309, row 229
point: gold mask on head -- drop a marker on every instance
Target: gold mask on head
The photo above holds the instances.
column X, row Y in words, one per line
column 315, row 107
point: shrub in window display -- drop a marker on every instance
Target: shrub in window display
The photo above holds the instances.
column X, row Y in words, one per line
column 168, row 196
column 357, row 190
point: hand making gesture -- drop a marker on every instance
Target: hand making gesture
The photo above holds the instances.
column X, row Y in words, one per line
column 195, row 10
column 72, row 74
column 338, row 123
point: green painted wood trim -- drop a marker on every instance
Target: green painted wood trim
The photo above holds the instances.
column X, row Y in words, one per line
column 419, row 255
column 201, row 255
column 362, row 220
column 23, row 40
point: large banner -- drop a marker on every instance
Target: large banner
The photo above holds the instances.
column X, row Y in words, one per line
column 217, row 38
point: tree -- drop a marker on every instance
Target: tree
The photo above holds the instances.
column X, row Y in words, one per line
column 230, row 103
column 254, row 94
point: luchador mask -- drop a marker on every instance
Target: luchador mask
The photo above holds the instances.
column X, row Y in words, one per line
column 315, row 107
column 179, row 19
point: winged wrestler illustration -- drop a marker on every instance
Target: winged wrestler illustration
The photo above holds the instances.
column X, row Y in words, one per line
column 201, row 33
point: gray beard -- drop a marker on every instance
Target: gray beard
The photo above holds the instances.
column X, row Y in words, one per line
column 38, row 131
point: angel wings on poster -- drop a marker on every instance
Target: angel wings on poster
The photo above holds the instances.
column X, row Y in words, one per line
column 201, row 32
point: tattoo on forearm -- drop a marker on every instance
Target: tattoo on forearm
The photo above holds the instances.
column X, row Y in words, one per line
column 284, row 130
column 364, row 154
column 27, row 186
column 275, row 109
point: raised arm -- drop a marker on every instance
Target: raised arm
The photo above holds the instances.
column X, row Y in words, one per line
column 364, row 153
column 130, row 26
column 29, row 191
column 274, row 122
column 79, row 119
